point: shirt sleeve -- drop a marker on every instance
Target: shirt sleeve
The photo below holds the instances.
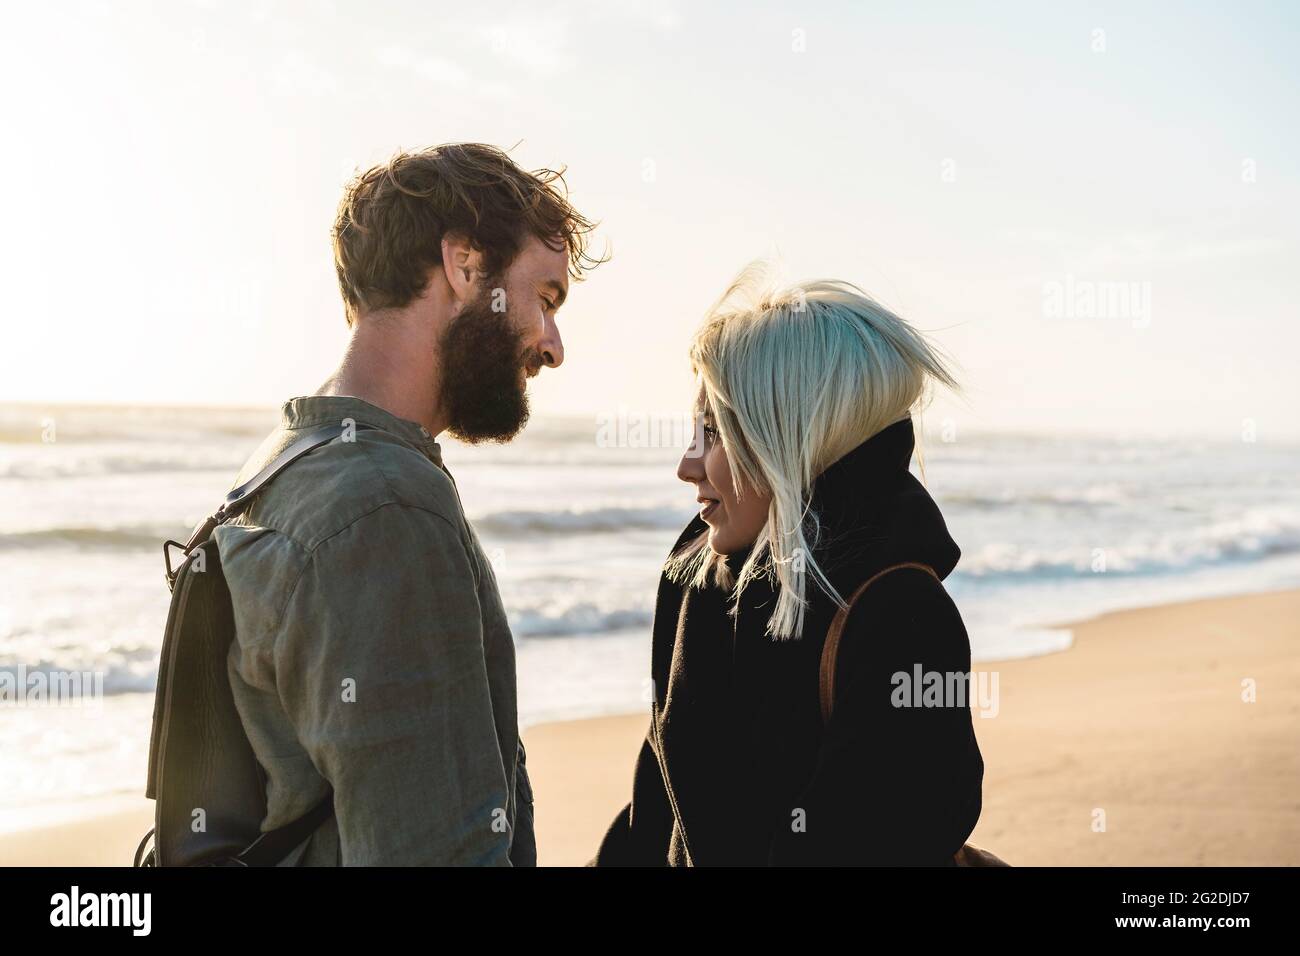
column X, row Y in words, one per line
column 893, row 785
column 380, row 667
column 523, row 846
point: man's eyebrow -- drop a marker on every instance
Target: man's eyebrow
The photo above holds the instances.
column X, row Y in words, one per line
column 560, row 291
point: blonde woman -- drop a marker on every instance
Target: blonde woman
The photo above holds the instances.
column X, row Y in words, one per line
column 800, row 466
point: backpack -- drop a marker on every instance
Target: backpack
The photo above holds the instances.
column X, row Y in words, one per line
column 208, row 789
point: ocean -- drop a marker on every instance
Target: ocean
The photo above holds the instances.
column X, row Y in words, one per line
column 577, row 518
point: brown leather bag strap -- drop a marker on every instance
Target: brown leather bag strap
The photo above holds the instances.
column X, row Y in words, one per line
column 968, row 855
column 831, row 649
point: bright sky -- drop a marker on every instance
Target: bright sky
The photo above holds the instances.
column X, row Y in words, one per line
column 1092, row 207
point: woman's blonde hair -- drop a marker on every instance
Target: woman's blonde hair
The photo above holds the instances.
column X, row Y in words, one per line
column 795, row 378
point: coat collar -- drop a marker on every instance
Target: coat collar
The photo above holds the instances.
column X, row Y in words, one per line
column 878, row 461
column 871, row 512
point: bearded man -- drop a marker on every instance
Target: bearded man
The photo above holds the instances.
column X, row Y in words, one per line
column 373, row 667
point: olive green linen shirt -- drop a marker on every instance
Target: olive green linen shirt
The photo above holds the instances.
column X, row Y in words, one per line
column 372, row 653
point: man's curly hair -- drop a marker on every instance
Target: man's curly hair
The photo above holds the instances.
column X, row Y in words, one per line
column 390, row 224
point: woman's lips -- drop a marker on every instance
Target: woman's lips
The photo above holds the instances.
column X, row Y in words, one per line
column 710, row 506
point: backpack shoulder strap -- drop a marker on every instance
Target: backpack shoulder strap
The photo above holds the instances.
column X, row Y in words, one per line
column 830, row 650
column 241, row 497
column 274, row 845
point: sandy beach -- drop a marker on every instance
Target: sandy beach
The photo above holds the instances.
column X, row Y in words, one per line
column 1133, row 747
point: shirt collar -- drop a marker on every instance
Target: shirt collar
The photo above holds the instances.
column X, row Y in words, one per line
column 312, row 410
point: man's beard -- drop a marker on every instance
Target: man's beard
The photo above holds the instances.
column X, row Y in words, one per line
column 482, row 359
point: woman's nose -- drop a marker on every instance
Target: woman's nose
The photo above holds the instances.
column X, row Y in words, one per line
column 691, row 467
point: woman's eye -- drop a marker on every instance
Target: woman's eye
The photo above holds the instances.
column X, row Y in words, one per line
column 710, row 433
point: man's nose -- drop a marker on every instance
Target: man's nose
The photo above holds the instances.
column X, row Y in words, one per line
column 551, row 346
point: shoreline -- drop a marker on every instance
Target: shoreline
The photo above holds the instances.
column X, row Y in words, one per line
column 1132, row 746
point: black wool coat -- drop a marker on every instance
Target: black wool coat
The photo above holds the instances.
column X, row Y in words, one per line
column 737, row 769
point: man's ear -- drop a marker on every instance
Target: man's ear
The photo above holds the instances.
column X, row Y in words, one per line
column 461, row 263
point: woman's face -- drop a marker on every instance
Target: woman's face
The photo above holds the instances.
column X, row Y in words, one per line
column 734, row 522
